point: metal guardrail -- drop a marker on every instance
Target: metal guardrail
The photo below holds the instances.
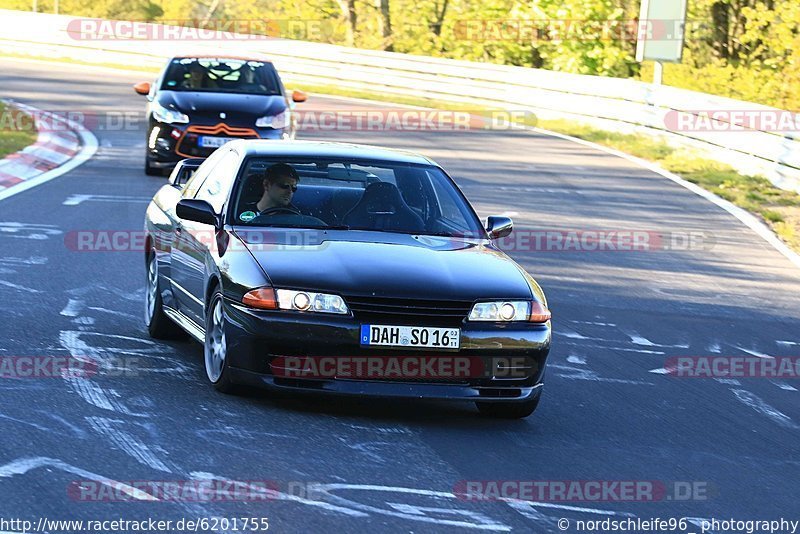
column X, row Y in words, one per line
column 611, row 103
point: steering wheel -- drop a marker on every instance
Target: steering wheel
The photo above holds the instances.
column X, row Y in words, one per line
column 280, row 209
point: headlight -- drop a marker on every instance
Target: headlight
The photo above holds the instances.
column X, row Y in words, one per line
column 505, row 311
column 278, row 122
column 168, row 116
column 310, row 302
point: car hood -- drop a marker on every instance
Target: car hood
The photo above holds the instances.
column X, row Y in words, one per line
column 389, row 265
column 195, row 103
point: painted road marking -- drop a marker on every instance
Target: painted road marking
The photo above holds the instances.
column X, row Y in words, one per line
column 755, row 353
column 22, row 466
column 75, row 200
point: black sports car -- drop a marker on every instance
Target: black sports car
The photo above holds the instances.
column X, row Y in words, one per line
column 197, row 104
column 348, row 269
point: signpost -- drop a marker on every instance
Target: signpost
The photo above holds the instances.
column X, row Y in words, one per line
column 661, row 33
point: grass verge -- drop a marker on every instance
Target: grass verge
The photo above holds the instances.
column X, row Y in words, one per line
column 16, row 130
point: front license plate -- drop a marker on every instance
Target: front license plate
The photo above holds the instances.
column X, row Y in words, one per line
column 377, row 335
column 213, row 142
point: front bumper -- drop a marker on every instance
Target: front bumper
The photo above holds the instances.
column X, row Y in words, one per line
column 167, row 144
column 507, row 362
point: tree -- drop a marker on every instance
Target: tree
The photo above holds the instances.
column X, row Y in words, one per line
column 385, row 23
column 348, row 9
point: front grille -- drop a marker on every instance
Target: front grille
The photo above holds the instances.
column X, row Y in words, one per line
column 188, row 143
column 413, row 312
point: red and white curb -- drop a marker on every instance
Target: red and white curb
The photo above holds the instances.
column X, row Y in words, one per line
column 58, row 149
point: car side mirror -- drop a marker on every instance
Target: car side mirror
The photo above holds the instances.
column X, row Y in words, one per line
column 299, row 96
column 198, row 211
column 142, row 88
column 498, row 227
column 183, row 171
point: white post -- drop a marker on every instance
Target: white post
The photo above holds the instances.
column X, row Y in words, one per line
column 35, row 6
column 658, row 73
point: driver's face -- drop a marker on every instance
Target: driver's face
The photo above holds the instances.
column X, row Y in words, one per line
column 280, row 191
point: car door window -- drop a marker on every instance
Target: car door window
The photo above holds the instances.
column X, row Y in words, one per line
column 215, row 189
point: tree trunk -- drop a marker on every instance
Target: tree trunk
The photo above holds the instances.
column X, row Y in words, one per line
column 348, row 9
column 437, row 25
column 721, row 39
column 210, row 13
column 385, row 24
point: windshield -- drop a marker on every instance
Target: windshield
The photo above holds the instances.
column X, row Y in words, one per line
column 353, row 195
column 221, row 76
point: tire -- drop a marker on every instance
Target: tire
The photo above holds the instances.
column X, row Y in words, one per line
column 151, row 170
column 158, row 324
column 509, row 410
column 215, row 348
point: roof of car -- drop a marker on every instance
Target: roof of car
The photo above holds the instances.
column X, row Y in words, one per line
column 290, row 148
column 223, row 57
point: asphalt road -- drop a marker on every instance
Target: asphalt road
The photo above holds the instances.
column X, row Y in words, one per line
column 607, row 413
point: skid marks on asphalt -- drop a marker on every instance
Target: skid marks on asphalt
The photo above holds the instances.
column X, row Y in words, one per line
column 605, row 349
column 379, row 451
column 583, row 373
column 113, row 430
column 449, row 509
column 31, row 231
column 13, row 265
column 126, row 357
column 758, row 404
column 16, row 293
column 240, row 439
column 283, row 504
column 108, row 498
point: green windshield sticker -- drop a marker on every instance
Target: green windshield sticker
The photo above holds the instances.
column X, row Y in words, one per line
column 247, row 216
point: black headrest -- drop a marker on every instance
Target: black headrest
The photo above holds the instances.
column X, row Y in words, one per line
column 382, row 196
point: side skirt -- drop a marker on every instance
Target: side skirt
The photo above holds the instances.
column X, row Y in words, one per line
column 192, row 328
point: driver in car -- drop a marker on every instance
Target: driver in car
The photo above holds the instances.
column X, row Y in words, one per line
column 280, row 184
